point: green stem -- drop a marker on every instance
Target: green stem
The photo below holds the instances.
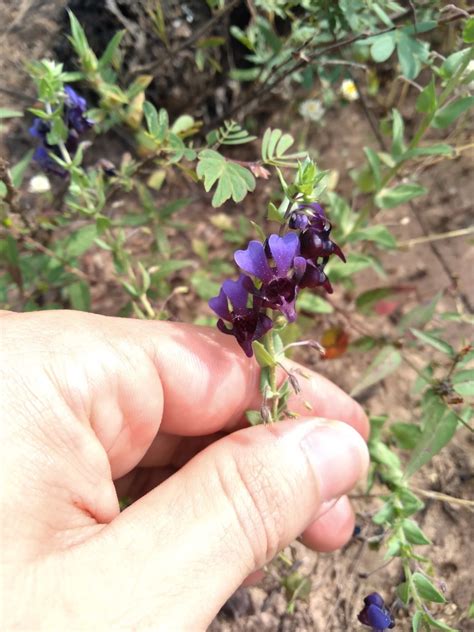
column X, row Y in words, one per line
column 270, row 347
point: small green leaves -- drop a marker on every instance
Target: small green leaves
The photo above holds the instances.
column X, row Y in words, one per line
column 434, row 341
column 468, row 31
column 233, row 180
column 427, row 101
column 439, row 427
column 385, row 362
column 263, row 357
column 9, row 113
column 426, row 589
column 314, row 304
column 447, row 115
column 231, row 133
column 413, row 533
column 157, row 122
column 382, row 47
column 275, row 144
column 389, row 198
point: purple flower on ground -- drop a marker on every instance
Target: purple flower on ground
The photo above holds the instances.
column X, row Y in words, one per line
column 375, row 614
column 279, row 286
column 247, row 323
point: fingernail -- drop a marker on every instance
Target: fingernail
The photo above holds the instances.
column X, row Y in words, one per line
column 338, row 455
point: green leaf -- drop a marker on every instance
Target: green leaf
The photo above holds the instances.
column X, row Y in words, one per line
column 79, row 296
column 205, row 288
column 233, row 180
column 80, row 241
column 421, row 314
column 406, row 435
column 366, row 301
column 263, row 357
column 8, row 113
column 389, row 198
column 411, row 53
column 378, row 234
column 427, row 100
column 465, row 389
column 468, row 31
column 18, row 171
column 111, row 50
column 374, row 162
column 274, row 147
column 385, row 362
column 439, row 429
column 78, row 36
column 182, row 124
column 413, row 533
column 433, row 341
column 314, row 304
column 254, row 417
column 466, row 375
column 411, row 504
column 382, row 47
column 398, row 128
column 440, row 149
column 426, row 590
column 418, row 618
column 439, row 625
column 450, row 112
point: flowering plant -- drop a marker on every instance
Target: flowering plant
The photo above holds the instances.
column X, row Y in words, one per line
column 333, row 55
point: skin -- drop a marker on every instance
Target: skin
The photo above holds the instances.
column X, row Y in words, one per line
column 97, row 408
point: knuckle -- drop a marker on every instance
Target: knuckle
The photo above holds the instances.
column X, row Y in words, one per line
column 259, row 504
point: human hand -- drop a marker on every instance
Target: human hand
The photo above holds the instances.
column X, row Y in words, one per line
column 94, row 406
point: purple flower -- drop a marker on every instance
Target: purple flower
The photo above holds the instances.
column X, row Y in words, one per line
column 375, row 614
column 247, row 323
column 314, row 276
column 279, row 286
column 75, row 108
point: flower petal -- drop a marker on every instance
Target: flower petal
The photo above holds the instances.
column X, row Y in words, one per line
column 284, row 250
column 378, row 618
column 220, row 306
column 254, row 262
column 237, row 292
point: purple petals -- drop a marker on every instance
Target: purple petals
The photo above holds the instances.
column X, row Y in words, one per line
column 283, row 251
column 254, row 262
column 219, row 305
column 375, row 615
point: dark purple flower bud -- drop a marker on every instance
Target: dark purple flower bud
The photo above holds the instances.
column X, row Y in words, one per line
column 247, row 323
column 315, row 243
column 314, row 276
column 375, row 615
column 75, row 108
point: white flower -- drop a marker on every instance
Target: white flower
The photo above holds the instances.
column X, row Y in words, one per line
column 39, row 184
column 312, row 110
column 349, row 90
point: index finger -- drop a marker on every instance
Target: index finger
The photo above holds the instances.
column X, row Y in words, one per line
column 209, row 383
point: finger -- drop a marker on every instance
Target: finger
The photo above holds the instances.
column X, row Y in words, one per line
column 333, row 529
column 224, row 515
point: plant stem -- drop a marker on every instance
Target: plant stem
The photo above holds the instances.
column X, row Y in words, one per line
column 270, row 347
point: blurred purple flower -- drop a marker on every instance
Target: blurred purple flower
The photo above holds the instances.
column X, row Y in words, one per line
column 247, row 323
column 375, row 615
column 314, row 239
column 75, row 107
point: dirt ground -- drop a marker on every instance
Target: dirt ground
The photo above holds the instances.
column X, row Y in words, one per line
column 339, row 581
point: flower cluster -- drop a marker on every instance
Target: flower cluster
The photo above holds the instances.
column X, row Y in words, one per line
column 274, row 272
column 375, row 614
column 77, row 124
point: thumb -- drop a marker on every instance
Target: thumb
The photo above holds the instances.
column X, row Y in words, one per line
column 190, row 543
